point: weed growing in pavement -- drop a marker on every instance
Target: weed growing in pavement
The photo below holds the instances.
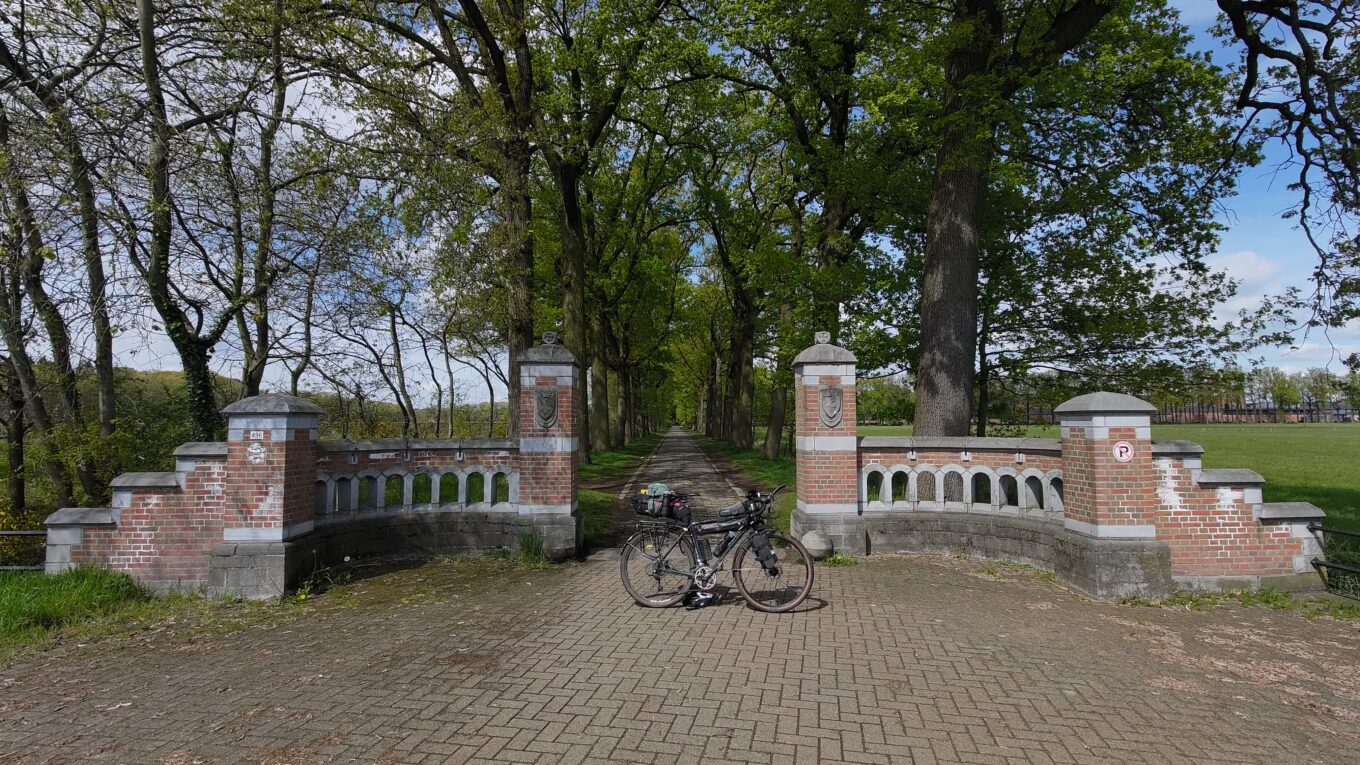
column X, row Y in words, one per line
column 1309, row 607
column 838, row 559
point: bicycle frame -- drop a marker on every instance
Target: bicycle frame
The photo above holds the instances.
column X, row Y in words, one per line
column 717, row 562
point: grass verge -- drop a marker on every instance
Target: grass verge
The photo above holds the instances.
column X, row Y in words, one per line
column 606, row 469
column 620, row 462
column 83, row 605
column 767, row 473
column 1309, row 607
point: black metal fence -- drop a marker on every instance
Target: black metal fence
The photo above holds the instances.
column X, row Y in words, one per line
column 23, row 550
column 1339, row 565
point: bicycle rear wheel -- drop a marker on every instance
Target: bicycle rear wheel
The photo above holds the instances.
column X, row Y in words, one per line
column 654, row 565
column 781, row 589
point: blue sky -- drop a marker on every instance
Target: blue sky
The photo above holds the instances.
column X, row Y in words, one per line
column 1263, row 251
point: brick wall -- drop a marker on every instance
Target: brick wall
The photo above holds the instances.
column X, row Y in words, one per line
column 1212, row 530
column 164, row 534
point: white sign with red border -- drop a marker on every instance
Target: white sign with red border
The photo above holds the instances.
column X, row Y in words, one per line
column 1123, row 451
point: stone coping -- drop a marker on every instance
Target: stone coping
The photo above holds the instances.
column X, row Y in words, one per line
column 272, row 403
column 1229, row 477
column 145, row 481
column 962, row 443
column 402, row 444
column 202, row 449
column 1105, row 402
column 1171, row 448
column 81, row 516
column 1277, row 511
column 548, row 353
column 824, row 353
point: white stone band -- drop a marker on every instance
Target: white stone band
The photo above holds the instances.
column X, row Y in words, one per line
column 1138, row 531
column 827, row 508
column 547, row 444
column 269, row 534
column 843, row 371
column 827, row 443
column 562, row 509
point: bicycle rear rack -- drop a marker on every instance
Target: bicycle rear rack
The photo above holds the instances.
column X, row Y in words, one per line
column 657, row 525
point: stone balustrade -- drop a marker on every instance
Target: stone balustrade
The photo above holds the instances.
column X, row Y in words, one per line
column 1107, row 509
column 249, row 517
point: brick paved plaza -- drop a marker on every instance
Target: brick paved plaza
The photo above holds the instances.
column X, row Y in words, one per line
column 895, row 660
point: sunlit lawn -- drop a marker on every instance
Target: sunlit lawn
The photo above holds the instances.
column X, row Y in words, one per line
column 1301, row 463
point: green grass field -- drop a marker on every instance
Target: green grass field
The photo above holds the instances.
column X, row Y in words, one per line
column 1301, row 463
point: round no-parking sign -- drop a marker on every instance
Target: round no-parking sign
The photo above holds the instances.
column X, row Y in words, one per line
column 1123, row 451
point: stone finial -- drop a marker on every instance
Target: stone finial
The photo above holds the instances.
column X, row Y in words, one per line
column 823, row 352
column 550, row 338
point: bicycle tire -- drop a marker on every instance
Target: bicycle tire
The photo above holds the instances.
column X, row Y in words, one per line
column 634, row 562
column 793, row 557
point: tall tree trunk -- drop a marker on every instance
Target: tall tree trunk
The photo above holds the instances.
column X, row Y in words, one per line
column 257, row 357
column 954, row 221
column 32, row 393
column 194, row 352
column 15, row 427
column 984, row 375
column 626, row 401
column 32, row 255
column 574, row 324
column 520, row 334
column 774, row 423
column 620, row 407
column 599, row 386
column 741, row 381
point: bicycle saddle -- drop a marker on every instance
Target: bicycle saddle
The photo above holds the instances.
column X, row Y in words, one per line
column 731, row 511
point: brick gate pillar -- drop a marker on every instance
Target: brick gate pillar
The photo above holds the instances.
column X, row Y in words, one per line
column 549, row 427
column 1109, row 545
column 269, row 495
column 827, row 446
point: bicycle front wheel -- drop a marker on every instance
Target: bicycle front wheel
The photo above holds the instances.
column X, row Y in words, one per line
column 782, row 586
column 655, row 566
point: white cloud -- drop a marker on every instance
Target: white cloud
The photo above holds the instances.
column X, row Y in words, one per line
column 1260, row 277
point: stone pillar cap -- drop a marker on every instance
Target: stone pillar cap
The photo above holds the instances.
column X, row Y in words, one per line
column 823, row 352
column 548, row 353
column 272, row 403
column 1104, row 402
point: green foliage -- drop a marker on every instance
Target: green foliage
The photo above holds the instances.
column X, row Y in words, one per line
column 34, row 603
column 839, row 559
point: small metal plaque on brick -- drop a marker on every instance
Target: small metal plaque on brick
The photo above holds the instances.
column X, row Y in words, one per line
column 382, row 455
column 256, row 435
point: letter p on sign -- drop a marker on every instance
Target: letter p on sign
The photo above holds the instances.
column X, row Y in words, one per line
column 1123, row 451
